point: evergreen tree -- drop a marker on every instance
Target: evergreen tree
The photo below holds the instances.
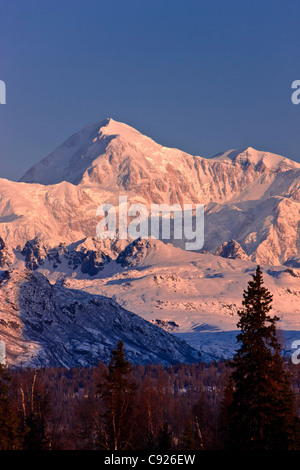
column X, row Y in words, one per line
column 164, row 438
column 35, row 436
column 261, row 414
column 117, row 392
column 188, row 439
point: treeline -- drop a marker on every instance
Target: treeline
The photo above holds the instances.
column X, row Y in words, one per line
column 172, row 408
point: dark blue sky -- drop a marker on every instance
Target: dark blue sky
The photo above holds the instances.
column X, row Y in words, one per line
column 202, row 76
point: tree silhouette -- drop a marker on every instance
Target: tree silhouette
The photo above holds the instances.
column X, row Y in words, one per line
column 117, row 392
column 261, row 414
column 188, row 439
column 164, row 438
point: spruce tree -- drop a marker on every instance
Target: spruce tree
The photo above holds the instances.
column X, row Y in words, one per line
column 117, row 392
column 164, row 438
column 261, row 414
column 188, row 439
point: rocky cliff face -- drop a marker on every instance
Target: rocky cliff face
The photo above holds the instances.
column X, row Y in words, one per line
column 51, row 325
column 231, row 249
column 5, row 255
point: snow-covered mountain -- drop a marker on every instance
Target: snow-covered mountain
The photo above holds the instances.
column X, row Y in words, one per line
column 114, row 156
column 251, row 197
column 252, row 215
column 49, row 325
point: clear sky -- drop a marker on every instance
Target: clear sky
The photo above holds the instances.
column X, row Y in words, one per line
column 204, row 76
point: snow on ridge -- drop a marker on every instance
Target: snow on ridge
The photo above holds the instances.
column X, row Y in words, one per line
column 109, row 137
column 249, row 155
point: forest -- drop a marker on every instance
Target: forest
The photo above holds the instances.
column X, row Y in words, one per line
column 174, row 408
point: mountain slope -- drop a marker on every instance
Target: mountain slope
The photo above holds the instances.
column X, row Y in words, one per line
column 268, row 230
column 50, row 325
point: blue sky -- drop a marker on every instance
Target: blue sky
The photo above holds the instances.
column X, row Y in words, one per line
column 202, row 76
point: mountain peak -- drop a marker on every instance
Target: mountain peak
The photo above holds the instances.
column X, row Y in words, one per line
column 259, row 159
column 112, row 156
column 74, row 156
column 110, row 127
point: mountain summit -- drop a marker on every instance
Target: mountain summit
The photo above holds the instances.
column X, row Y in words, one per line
column 114, row 156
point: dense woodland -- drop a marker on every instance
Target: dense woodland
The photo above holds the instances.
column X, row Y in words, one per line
column 170, row 407
column 252, row 402
column 178, row 407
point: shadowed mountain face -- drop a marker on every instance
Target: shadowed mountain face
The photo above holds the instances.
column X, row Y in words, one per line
column 51, row 325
